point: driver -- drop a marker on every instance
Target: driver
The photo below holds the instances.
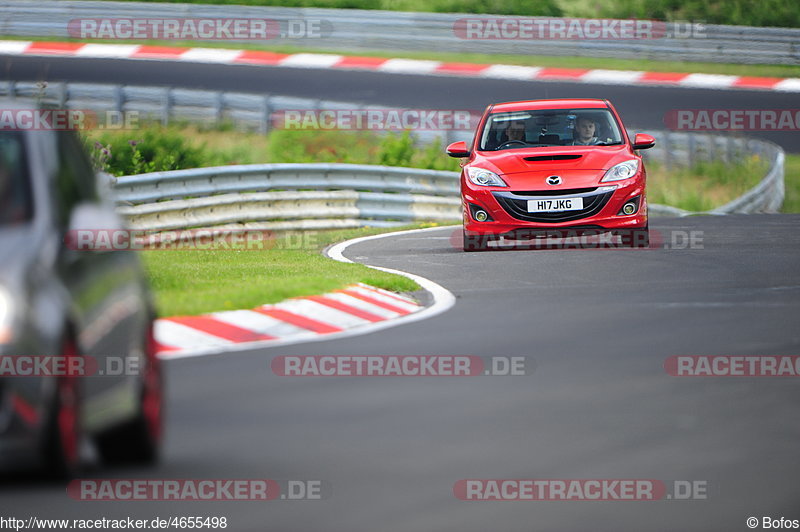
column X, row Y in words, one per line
column 585, row 129
column 515, row 130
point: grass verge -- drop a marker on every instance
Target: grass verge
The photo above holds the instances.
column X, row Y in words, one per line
column 190, row 282
column 703, row 186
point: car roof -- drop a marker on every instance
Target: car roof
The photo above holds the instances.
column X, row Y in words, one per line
column 527, row 105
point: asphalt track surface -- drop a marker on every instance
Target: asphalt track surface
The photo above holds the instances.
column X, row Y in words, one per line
column 596, row 325
column 641, row 107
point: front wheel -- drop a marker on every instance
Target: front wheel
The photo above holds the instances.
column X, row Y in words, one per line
column 636, row 238
column 64, row 433
column 139, row 440
column 475, row 242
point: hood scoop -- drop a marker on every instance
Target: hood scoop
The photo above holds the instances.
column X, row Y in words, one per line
column 557, row 157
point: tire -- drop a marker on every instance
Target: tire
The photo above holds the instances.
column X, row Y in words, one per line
column 636, row 238
column 138, row 441
column 475, row 242
column 63, row 431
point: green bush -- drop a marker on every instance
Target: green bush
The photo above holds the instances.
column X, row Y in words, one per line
column 397, row 149
column 155, row 148
column 499, row 7
column 781, row 13
column 320, row 146
column 150, row 149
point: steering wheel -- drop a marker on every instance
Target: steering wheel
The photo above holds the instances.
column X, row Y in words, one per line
column 510, row 142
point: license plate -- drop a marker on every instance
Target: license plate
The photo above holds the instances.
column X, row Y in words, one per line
column 555, row 205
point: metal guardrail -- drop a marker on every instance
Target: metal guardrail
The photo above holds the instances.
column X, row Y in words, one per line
column 679, row 149
column 256, row 112
column 270, row 197
column 347, row 29
column 169, row 104
column 403, row 194
column 287, row 197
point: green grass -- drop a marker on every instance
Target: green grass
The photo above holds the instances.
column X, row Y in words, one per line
column 791, row 202
column 703, row 186
column 782, row 71
column 191, row 282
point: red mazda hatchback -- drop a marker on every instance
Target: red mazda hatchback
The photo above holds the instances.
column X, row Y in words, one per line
column 544, row 168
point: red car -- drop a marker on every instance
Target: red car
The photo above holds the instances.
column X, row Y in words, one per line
column 545, row 168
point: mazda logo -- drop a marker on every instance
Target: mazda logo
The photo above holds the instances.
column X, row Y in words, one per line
column 554, row 180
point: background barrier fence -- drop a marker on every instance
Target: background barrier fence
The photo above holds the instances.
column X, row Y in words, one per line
column 293, row 196
column 352, row 29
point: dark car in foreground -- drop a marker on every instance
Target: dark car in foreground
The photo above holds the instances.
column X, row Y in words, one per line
column 541, row 168
column 77, row 355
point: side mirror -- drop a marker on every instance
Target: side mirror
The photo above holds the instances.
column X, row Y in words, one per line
column 94, row 227
column 458, row 149
column 643, row 142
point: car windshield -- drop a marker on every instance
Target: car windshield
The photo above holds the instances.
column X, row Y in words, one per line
column 550, row 127
column 16, row 202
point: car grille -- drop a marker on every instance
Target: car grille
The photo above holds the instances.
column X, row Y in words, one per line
column 516, row 204
column 560, row 192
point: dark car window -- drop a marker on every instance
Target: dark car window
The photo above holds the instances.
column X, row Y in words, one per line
column 16, row 200
column 550, row 127
column 75, row 181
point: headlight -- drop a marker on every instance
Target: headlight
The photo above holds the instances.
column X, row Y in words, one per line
column 5, row 315
column 622, row 171
column 484, row 178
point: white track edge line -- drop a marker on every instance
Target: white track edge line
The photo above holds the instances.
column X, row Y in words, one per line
column 443, row 300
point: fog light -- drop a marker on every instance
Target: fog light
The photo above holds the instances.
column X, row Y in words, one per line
column 629, row 208
column 481, row 216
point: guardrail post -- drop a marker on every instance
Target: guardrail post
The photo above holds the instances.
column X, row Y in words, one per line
column 219, row 104
column 667, row 150
column 118, row 99
column 62, row 95
column 166, row 108
column 729, row 150
column 266, row 115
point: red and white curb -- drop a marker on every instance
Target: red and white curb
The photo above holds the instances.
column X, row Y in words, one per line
column 299, row 319
column 355, row 310
column 397, row 65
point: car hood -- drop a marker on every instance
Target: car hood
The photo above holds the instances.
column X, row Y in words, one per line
column 554, row 159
